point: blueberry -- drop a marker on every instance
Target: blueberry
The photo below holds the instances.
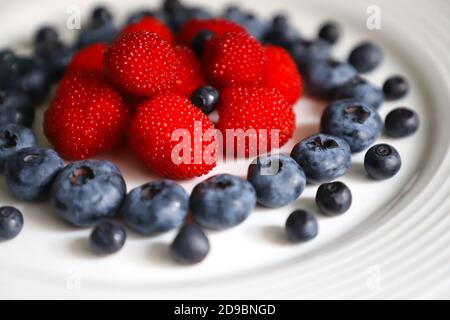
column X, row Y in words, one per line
column 199, row 41
column 361, row 90
column 138, row 15
column 172, row 6
column 101, row 28
column 55, row 57
column 7, row 62
column 86, row 192
column 94, row 33
column 156, row 207
column 11, row 222
column 306, row 53
column 31, row 171
column 30, row 77
column 254, row 25
column 355, row 122
column 199, row 13
column 101, row 16
column 333, row 198
column 222, row 201
column 190, row 246
column 395, row 88
column 46, row 34
column 277, row 178
column 401, row 122
column 7, row 57
column 177, row 19
column 233, row 13
column 323, row 78
column 205, row 98
column 366, row 57
column 177, row 14
column 301, row 226
column 13, row 138
column 26, row 75
column 382, row 162
column 281, row 33
column 108, row 237
column 15, row 107
column 322, row 157
column 330, row 32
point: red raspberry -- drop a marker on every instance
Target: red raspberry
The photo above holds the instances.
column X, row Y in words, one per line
column 89, row 59
column 151, row 137
column 217, row 26
column 87, row 116
column 260, row 109
column 190, row 75
column 150, row 24
column 234, row 59
column 282, row 74
column 142, row 64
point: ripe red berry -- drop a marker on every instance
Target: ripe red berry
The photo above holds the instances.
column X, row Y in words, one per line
column 217, row 26
column 282, row 74
column 90, row 58
column 234, row 59
column 262, row 113
column 190, row 74
column 150, row 24
column 173, row 137
column 87, row 116
column 142, row 64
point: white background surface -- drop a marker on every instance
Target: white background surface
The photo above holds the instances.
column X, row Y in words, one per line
column 393, row 243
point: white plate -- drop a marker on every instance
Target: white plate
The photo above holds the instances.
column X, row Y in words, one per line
column 393, row 243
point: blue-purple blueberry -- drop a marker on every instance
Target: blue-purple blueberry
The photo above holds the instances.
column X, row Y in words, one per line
column 366, row 57
column 205, row 98
column 100, row 29
column 355, row 122
column 156, row 207
column 199, row 41
column 108, row 237
column 401, row 122
column 87, row 192
column 395, row 88
column 306, row 53
column 330, row 32
column 30, row 173
column 323, row 78
column 277, row 178
column 281, row 32
column 361, row 90
column 333, row 198
column 15, row 107
column 46, row 34
column 322, row 157
column 55, row 57
column 382, row 162
column 222, row 201
column 190, row 246
column 137, row 16
column 301, row 226
column 31, row 77
column 101, row 15
column 13, row 138
column 254, row 25
column 11, row 222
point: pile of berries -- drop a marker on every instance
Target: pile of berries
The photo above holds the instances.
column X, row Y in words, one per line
column 172, row 69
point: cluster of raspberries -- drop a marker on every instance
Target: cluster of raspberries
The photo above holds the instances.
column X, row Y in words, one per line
column 139, row 87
